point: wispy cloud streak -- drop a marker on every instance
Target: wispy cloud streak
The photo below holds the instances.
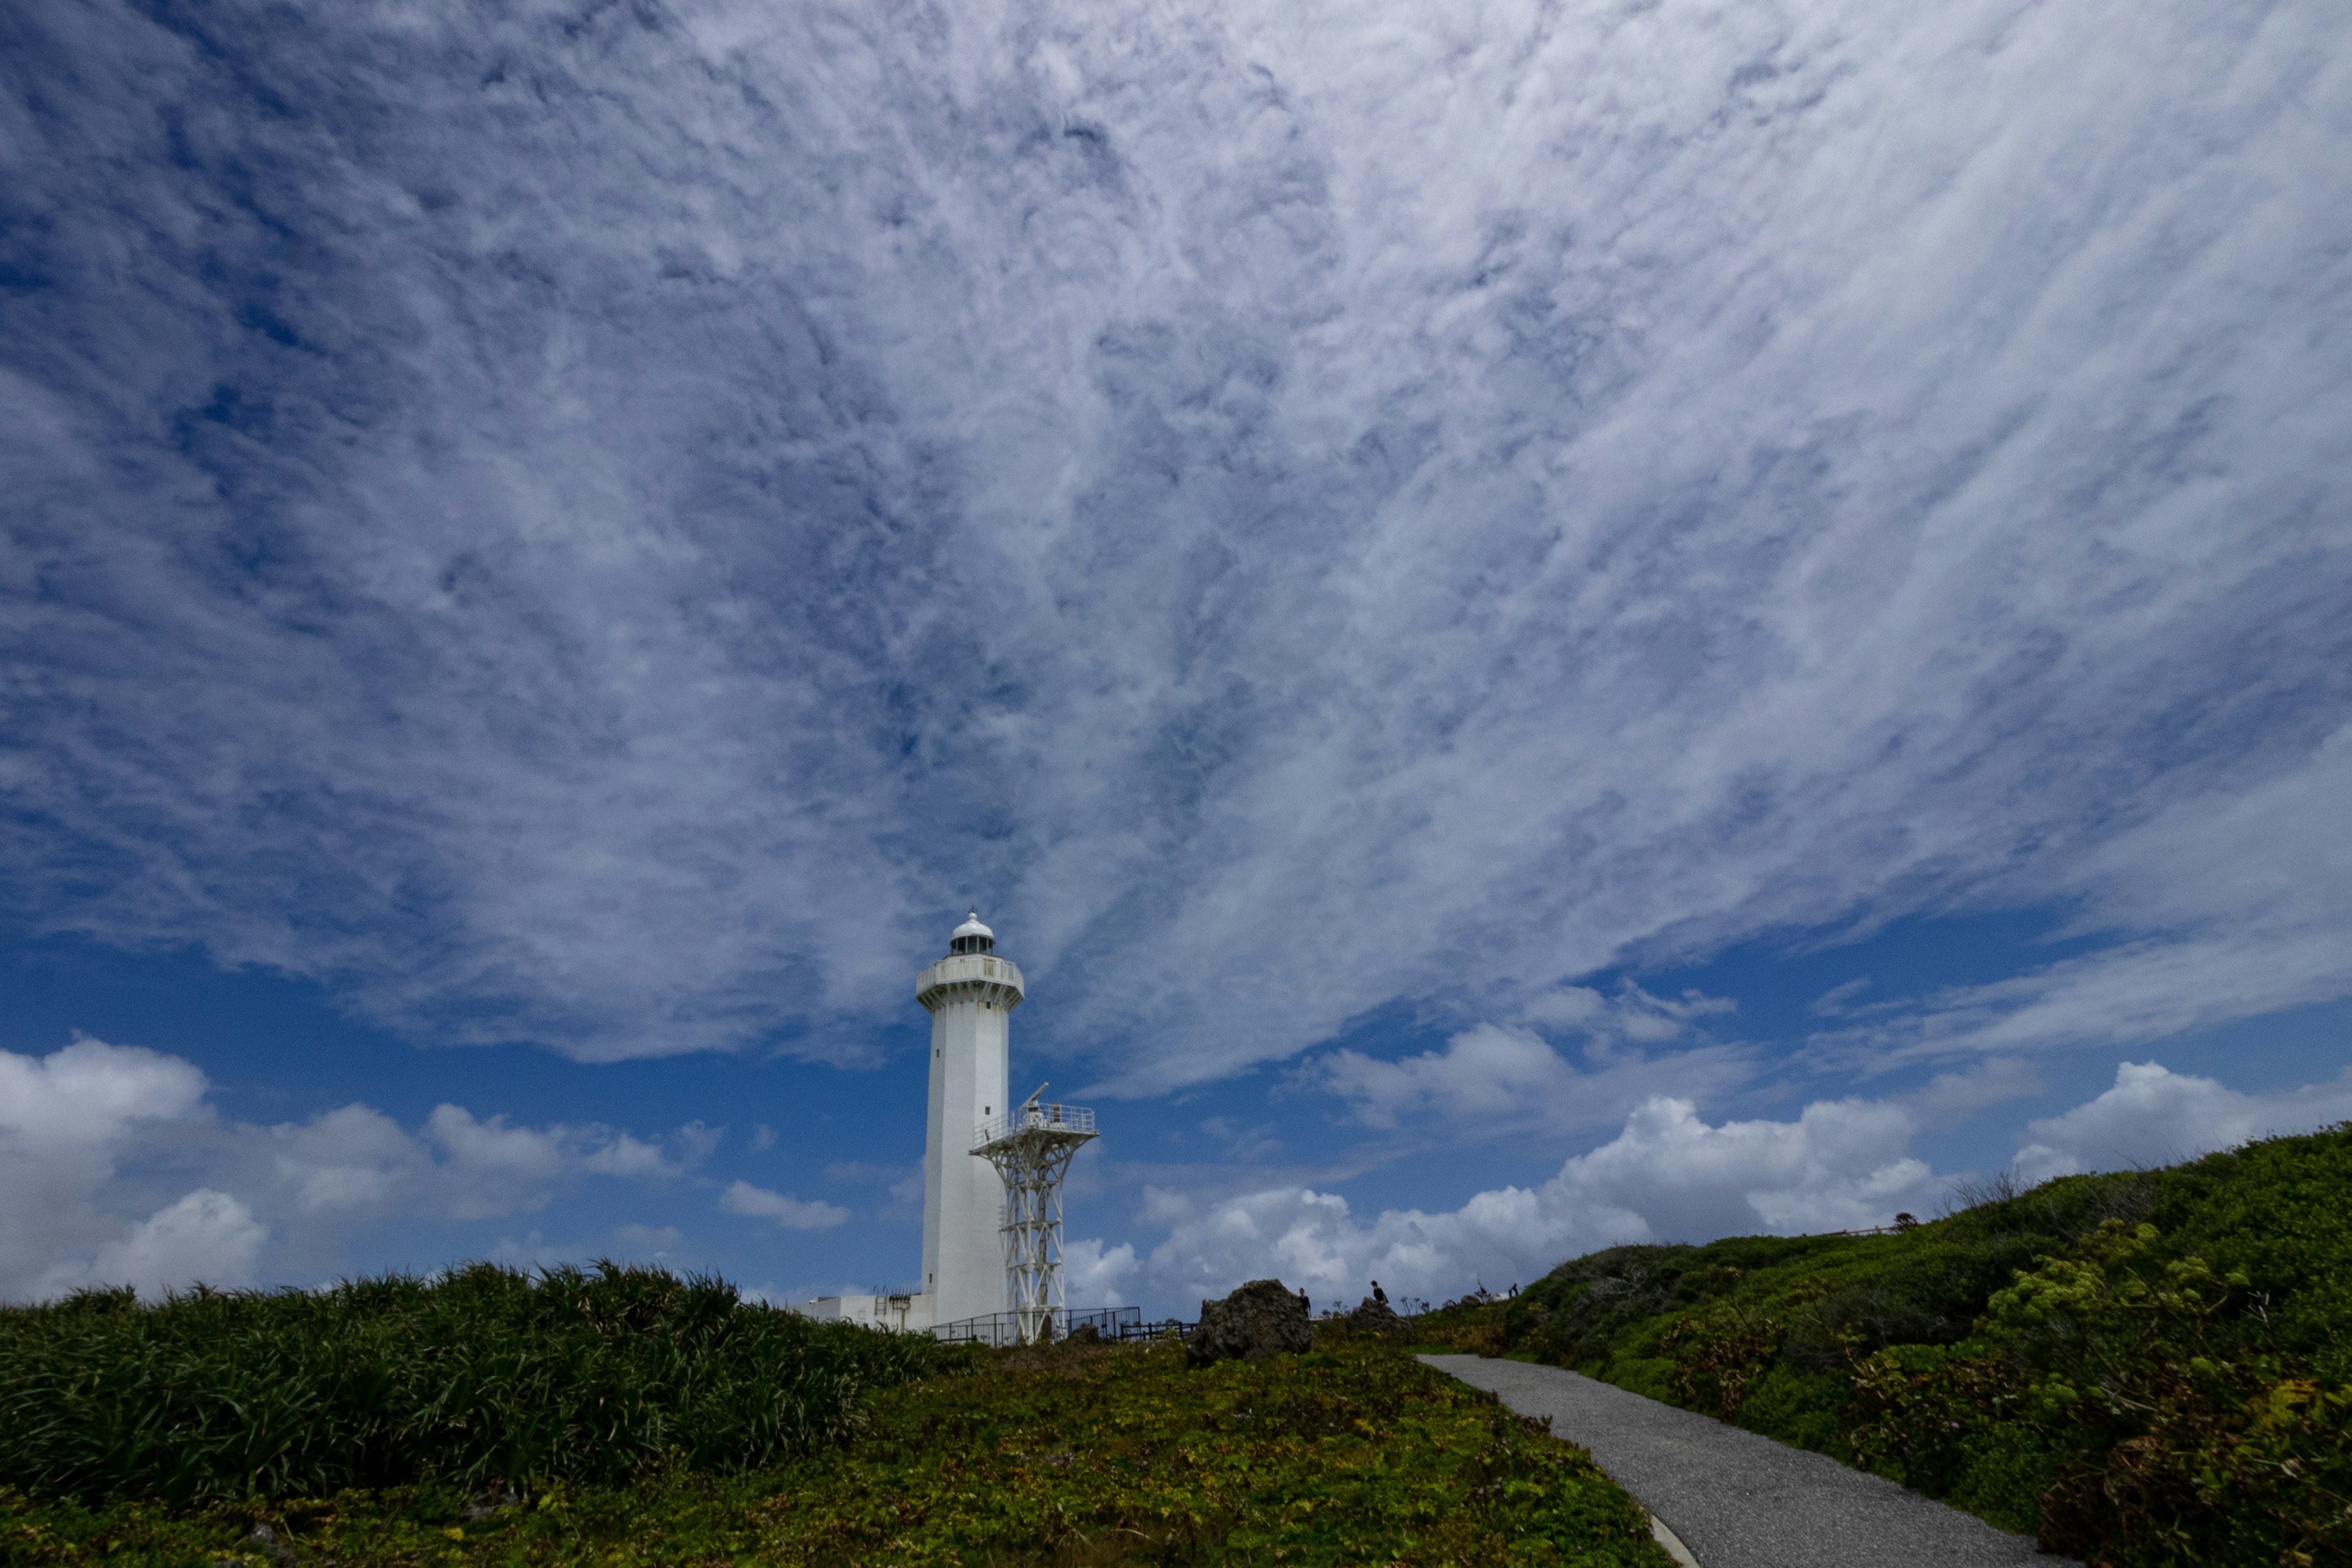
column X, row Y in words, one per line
column 599, row 526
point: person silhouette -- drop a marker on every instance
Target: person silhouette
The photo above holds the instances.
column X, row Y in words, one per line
column 1380, row 1295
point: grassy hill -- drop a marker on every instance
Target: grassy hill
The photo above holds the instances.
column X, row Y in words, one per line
column 2146, row 1368
column 627, row 1417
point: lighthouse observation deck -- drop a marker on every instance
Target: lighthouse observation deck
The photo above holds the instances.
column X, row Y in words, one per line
column 971, row 977
column 1034, row 1123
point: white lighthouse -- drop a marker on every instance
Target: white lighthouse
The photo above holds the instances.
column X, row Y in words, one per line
column 970, row 995
column 991, row 1170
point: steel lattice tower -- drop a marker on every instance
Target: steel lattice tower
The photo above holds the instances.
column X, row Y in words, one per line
column 1031, row 1149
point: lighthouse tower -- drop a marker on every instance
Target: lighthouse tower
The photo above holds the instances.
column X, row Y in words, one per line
column 970, row 995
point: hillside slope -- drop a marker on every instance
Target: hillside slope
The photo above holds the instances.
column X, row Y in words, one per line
column 2146, row 1368
column 1075, row 1456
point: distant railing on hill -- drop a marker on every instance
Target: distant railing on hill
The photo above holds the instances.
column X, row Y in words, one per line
column 1902, row 1222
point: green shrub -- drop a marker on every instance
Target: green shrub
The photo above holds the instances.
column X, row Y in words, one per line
column 485, row 1375
column 2139, row 1399
column 2147, row 1368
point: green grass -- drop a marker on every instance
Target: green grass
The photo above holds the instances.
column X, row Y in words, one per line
column 2145, row 1369
column 486, row 1377
column 1073, row 1458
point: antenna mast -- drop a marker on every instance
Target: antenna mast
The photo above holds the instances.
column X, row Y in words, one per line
column 1031, row 1149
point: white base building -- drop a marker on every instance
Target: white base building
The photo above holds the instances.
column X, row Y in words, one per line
column 907, row 1315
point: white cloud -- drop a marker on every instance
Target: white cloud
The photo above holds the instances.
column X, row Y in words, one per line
column 1489, row 1072
column 1841, row 1163
column 67, row 1122
column 1497, row 1079
column 357, row 1163
column 792, row 1214
column 1667, row 1176
column 2249, row 893
column 91, row 1132
column 206, row 1237
column 492, row 1149
column 1094, row 1277
column 2155, row 1117
column 627, row 1156
column 91, row 1094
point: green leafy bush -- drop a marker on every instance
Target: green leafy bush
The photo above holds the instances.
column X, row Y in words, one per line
column 2147, row 1368
column 485, row 1375
column 2141, row 1401
column 1071, row 1457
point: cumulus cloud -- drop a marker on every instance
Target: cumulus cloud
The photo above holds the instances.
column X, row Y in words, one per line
column 2153, row 1116
column 1668, row 1175
column 1094, row 1276
column 792, row 1214
column 92, row 1133
column 67, row 1122
column 206, row 1236
column 1307, row 509
column 90, row 1094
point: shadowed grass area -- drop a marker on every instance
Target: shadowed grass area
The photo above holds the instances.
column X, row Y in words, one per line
column 1073, row 1458
column 487, row 1376
column 2144, row 1369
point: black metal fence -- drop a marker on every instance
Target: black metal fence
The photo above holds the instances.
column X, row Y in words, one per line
column 1122, row 1324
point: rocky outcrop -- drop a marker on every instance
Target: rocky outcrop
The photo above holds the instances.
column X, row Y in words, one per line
column 1262, row 1319
column 1376, row 1316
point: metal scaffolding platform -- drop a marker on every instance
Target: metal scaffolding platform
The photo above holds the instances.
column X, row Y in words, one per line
column 1032, row 1148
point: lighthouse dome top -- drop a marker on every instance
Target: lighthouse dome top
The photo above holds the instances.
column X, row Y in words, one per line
column 973, row 937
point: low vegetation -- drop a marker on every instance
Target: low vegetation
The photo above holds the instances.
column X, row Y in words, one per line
column 2143, row 1369
column 1074, row 1456
column 486, row 1376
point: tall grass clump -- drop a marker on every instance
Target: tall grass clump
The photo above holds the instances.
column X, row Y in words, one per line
column 486, row 1375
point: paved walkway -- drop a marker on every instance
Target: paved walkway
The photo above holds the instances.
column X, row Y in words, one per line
column 1739, row 1500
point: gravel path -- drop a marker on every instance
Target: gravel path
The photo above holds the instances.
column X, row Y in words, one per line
column 1739, row 1500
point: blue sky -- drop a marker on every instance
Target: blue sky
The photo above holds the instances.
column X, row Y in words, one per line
column 1540, row 626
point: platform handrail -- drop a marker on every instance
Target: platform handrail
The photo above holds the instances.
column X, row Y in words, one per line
column 1035, row 1117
